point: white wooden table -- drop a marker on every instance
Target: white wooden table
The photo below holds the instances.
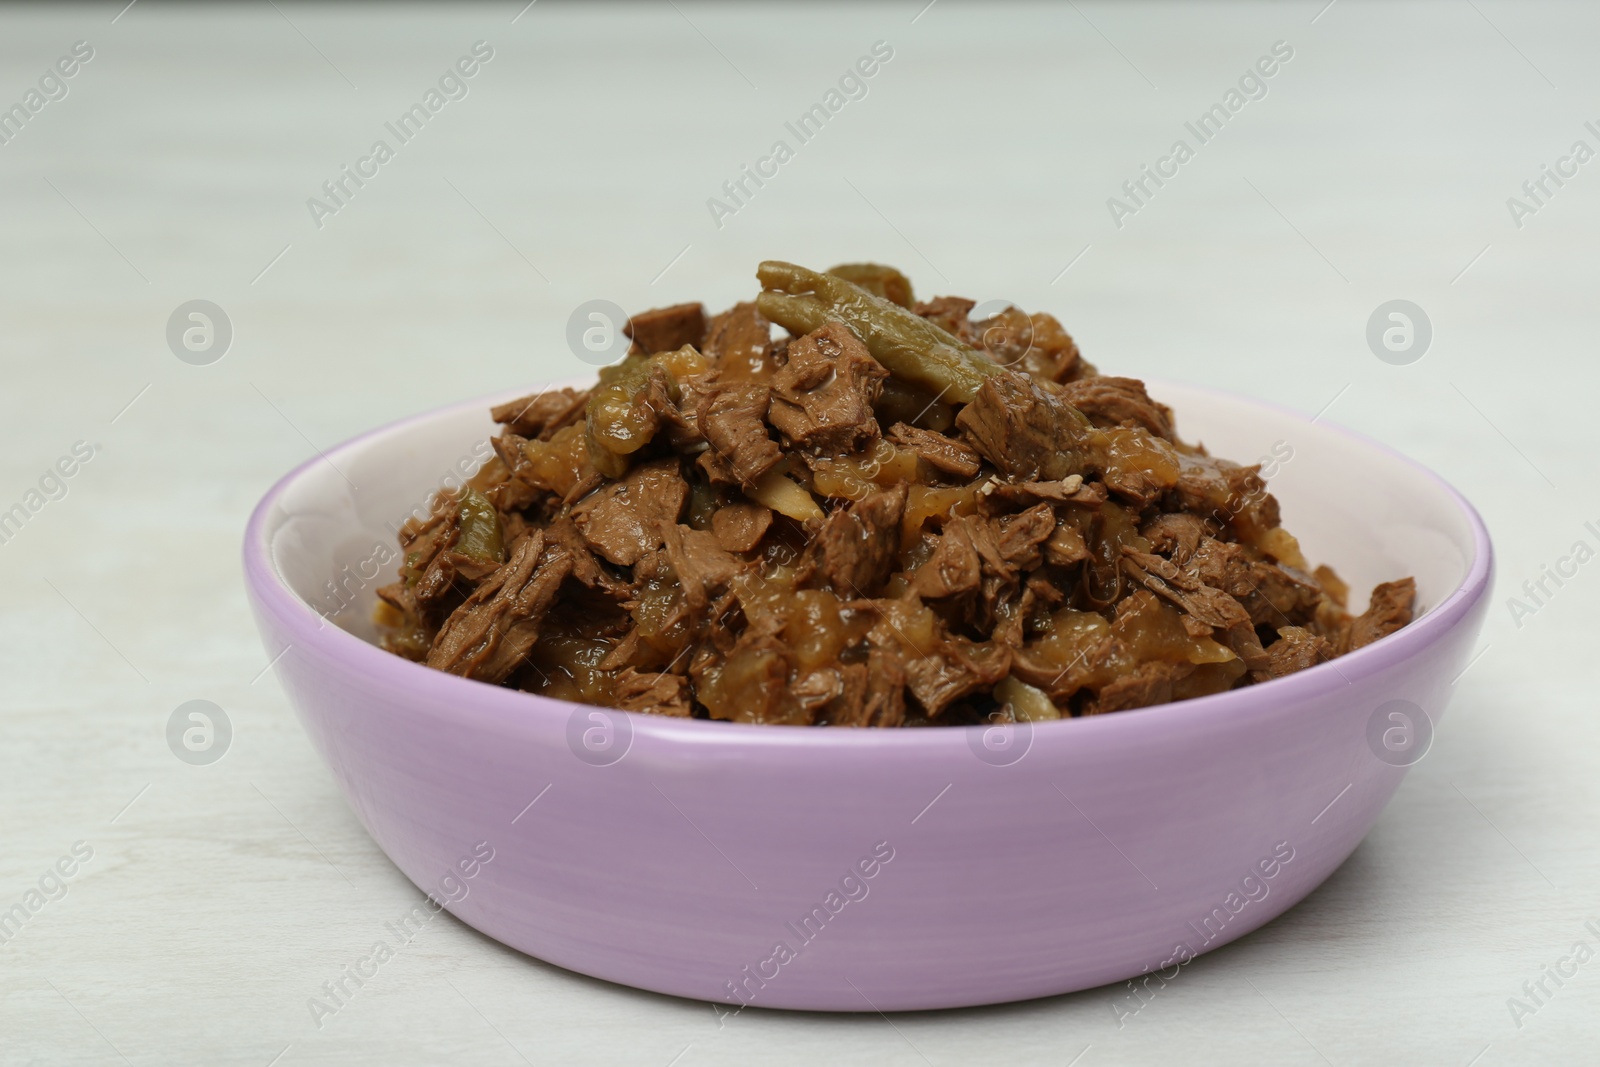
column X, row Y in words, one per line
column 578, row 165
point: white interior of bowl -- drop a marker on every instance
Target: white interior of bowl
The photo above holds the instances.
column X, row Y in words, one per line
column 1366, row 512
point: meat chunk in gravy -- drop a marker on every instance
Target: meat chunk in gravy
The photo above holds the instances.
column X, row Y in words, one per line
column 823, row 396
column 622, row 521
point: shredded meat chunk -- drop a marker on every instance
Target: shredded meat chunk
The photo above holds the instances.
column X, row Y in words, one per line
column 740, row 527
column 732, row 418
column 871, row 693
column 490, row 634
column 1390, row 608
column 1024, row 431
column 1149, row 683
column 957, row 668
column 944, row 453
column 822, row 397
column 656, row 694
column 1294, row 650
column 429, row 573
column 950, row 313
column 739, row 341
column 703, row 568
column 855, row 549
column 1019, row 536
column 1065, row 546
column 668, row 329
column 1176, row 535
column 1115, row 401
column 586, row 569
column 543, row 413
column 622, row 521
column 954, row 568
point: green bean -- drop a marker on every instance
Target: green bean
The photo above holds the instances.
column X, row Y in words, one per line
column 480, row 539
column 910, row 346
column 881, row 281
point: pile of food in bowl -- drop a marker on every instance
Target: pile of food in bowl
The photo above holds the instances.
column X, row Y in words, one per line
column 893, row 515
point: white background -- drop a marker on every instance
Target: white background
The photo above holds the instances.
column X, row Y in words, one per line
column 1377, row 167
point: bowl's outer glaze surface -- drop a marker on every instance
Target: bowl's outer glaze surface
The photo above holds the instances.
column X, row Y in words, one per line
column 678, row 856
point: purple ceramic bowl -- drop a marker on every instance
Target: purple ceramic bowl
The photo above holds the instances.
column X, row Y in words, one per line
column 848, row 870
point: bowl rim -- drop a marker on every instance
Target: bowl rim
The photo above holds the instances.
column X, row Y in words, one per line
column 450, row 695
